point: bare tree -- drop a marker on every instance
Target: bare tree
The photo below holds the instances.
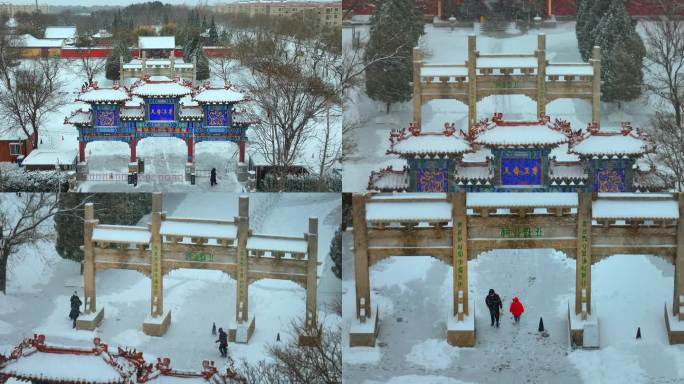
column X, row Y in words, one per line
column 223, row 65
column 29, row 90
column 290, row 93
column 25, row 220
column 87, row 64
column 319, row 364
column 329, row 149
column 665, row 57
column 664, row 66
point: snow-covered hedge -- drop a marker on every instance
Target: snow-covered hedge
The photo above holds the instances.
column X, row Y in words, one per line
column 304, row 183
column 16, row 179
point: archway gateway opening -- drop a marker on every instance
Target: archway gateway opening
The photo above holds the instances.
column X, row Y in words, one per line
column 169, row 243
column 456, row 227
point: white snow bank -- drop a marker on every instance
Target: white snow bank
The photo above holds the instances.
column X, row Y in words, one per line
column 266, row 243
column 433, row 354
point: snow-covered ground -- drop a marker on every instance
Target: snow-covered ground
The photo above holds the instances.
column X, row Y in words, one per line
column 40, row 283
column 441, row 45
column 413, row 294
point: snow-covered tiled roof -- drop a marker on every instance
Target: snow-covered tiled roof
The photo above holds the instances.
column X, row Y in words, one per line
column 103, row 95
column 612, row 142
column 557, row 69
column 188, row 101
column 519, row 133
column 121, row 234
column 473, row 172
column 418, row 143
column 276, row 243
column 79, row 117
column 55, row 367
column 388, row 180
column 46, row 157
column 161, row 89
column 521, row 199
column 135, row 101
column 220, row 95
column 28, row 41
column 190, row 112
column 479, row 156
column 567, row 172
column 506, row 61
column 60, row 32
column 443, row 70
column 180, row 227
column 132, row 113
column 634, row 209
column 561, row 154
column 430, row 211
column 156, row 42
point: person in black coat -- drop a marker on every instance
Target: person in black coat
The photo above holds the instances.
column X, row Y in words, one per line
column 75, row 308
column 223, row 343
column 212, row 177
column 494, row 304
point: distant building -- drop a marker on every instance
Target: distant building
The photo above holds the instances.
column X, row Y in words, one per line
column 67, row 34
column 324, row 13
column 11, row 9
column 15, row 145
column 157, row 56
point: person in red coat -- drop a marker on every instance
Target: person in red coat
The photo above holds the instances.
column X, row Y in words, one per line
column 516, row 309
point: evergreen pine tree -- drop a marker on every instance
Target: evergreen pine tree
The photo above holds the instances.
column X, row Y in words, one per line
column 622, row 54
column 590, row 15
column 112, row 70
column 213, row 33
column 396, row 26
column 202, row 65
column 336, row 253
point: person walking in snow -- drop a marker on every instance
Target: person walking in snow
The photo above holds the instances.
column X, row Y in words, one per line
column 212, row 177
column 516, row 309
column 75, row 308
column 223, row 343
column 494, row 304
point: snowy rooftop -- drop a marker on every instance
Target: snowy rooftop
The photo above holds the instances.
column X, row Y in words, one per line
column 42, row 156
column 214, row 230
column 482, row 172
column 121, row 234
column 430, row 143
column 136, row 112
column 79, row 117
column 567, row 172
column 190, row 111
column 479, row 156
column 635, row 209
column 221, row 95
column 63, row 368
column 29, row 41
column 162, row 89
column 611, row 144
column 389, row 180
column 276, row 243
column 431, row 211
column 156, row 42
column 521, row 199
column 103, row 94
column 561, row 154
column 60, row 32
column 520, row 134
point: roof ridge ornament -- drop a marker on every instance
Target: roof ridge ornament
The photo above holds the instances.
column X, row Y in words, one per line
column 449, row 129
column 414, row 129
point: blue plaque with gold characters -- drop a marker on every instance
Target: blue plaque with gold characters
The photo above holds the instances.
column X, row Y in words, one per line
column 106, row 118
column 609, row 179
column 432, row 180
column 521, row 172
column 162, row 112
column 217, row 116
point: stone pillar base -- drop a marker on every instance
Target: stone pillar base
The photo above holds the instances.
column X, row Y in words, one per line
column 364, row 334
column 157, row 326
column 189, row 171
column 82, row 171
column 242, row 172
column 675, row 327
column 583, row 333
column 461, row 333
column 241, row 333
column 90, row 321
